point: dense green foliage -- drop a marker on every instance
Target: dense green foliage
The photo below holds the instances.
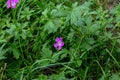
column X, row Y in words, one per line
column 91, row 35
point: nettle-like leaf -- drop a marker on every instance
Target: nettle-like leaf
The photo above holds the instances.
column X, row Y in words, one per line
column 12, row 29
column 115, row 10
column 2, row 52
column 75, row 15
column 46, row 53
column 20, row 30
column 45, row 13
column 51, row 24
column 2, row 36
column 88, row 20
column 115, row 76
column 59, row 11
column 60, row 76
column 16, row 52
column 60, row 55
column 71, row 35
column 42, row 77
column 116, row 14
column 51, row 27
column 90, row 41
column 94, row 28
column 26, row 13
column 78, row 63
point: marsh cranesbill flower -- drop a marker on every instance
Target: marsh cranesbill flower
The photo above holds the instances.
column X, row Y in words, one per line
column 59, row 43
column 12, row 3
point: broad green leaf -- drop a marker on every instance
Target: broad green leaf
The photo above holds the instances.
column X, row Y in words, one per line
column 16, row 52
column 2, row 52
column 26, row 13
column 60, row 76
column 50, row 27
column 71, row 35
column 46, row 53
column 2, row 39
column 42, row 77
column 115, row 76
column 75, row 15
column 93, row 29
column 118, row 40
column 59, row 11
column 45, row 12
column 91, row 41
column 78, row 62
column 59, row 55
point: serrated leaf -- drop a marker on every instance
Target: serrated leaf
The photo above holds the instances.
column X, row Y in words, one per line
column 115, row 77
column 75, row 17
column 50, row 27
column 45, row 12
column 94, row 28
column 60, row 55
column 78, row 62
column 46, row 53
column 16, row 52
column 60, row 76
column 77, row 13
column 71, row 35
column 2, row 52
column 59, row 11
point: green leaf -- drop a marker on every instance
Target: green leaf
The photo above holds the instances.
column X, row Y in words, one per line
column 26, row 13
column 90, row 41
column 2, row 39
column 115, row 76
column 60, row 76
column 77, row 13
column 75, row 17
column 60, row 55
column 118, row 40
column 50, row 27
column 45, row 12
column 2, row 52
column 46, row 53
column 16, row 52
column 94, row 28
column 42, row 77
column 78, row 62
column 71, row 35
column 59, row 11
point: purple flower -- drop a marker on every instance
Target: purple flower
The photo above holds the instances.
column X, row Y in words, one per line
column 12, row 3
column 59, row 43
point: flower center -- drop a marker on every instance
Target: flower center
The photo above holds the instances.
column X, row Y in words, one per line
column 59, row 43
column 13, row 4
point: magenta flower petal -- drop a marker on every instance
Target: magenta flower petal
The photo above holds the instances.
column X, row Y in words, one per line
column 16, row 1
column 60, row 38
column 8, row 6
column 62, row 43
column 59, row 43
column 8, row 3
column 12, row 3
column 57, row 39
column 60, row 47
column 55, row 45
